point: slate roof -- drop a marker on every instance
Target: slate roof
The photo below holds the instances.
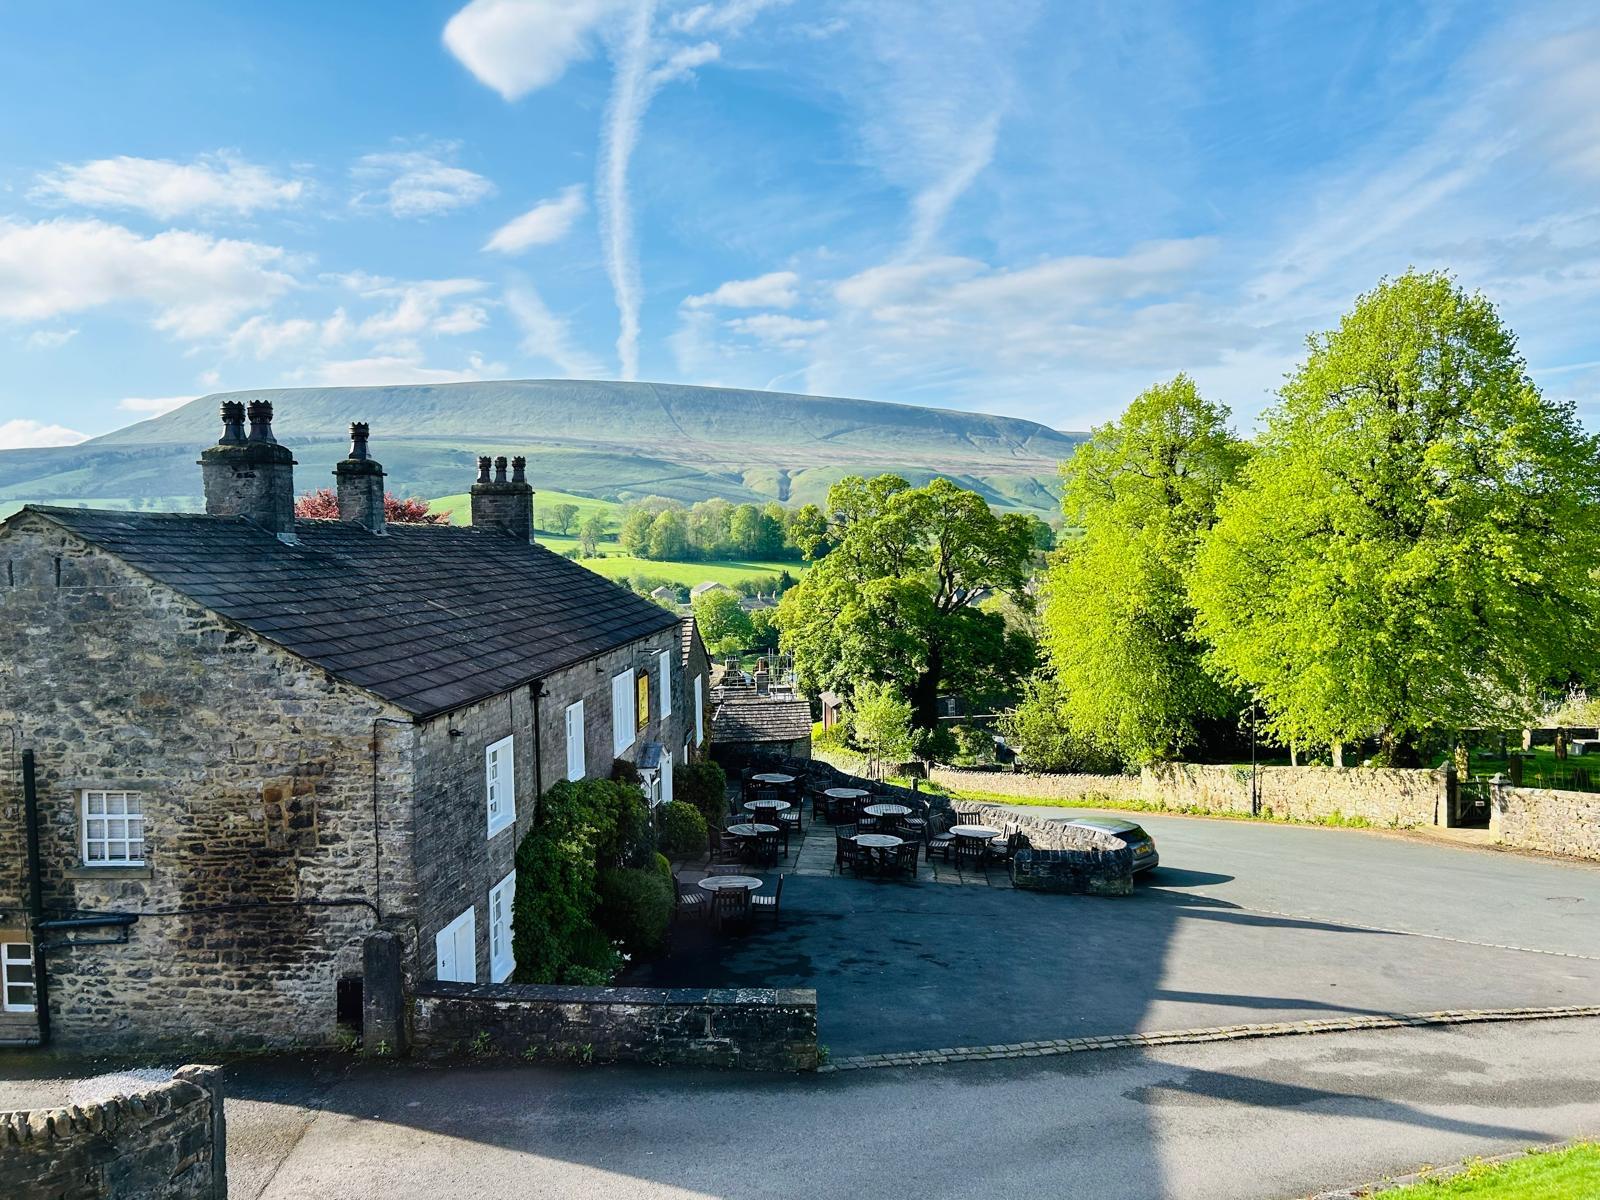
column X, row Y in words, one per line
column 429, row 617
column 761, row 721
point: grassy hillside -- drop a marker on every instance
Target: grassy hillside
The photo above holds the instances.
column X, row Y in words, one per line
column 593, row 439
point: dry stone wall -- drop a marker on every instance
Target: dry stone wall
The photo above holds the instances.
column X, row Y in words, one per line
column 164, row 1142
column 1548, row 820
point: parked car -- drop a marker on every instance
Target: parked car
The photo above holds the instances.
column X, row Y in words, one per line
column 1143, row 845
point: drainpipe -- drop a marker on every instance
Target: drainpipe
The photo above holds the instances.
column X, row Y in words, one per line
column 30, row 810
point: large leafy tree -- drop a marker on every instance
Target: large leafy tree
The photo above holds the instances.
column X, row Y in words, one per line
column 724, row 625
column 1118, row 625
column 895, row 599
column 1414, row 546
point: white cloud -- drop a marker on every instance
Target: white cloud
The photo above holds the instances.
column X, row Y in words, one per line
column 546, row 222
column 778, row 331
column 50, row 339
column 548, row 336
column 773, row 290
column 26, row 435
column 152, row 406
column 519, row 46
column 264, row 337
column 420, row 182
column 212, row 183
column 197, row 284
column 426, row 306
column 731, row 17
column 396, row 369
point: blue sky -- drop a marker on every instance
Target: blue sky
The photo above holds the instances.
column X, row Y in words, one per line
column 1009, row 206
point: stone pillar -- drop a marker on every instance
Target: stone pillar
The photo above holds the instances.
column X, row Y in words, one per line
column 210, row 1077
column 360, row 483
column 383, row 998
column 1497, row 805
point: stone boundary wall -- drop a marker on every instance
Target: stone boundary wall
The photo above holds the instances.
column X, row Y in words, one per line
column 1387, row 796
column 754, row 1029
column 1061, row 857
column 165, row 1142
column 1039, row 787
column 1545, row 819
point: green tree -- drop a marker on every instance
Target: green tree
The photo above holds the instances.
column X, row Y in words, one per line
column 724, row 625
column 593, row 529
column 808, row 531
column 563, row 517
column 1038, row 730
column 880, row 723
column 1413, row 547
column 895, row 600
column 669, row 536
column 635, row 534
column 745, row 530
column 1118, row 625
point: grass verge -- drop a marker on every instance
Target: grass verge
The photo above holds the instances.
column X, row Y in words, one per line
column 1569, row 1174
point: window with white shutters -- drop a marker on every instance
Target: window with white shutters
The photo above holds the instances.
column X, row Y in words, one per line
column 501, row 959
column 576, row 766
column 499, row 776
column 622, row 714
column 699, row 709
column 666, row 684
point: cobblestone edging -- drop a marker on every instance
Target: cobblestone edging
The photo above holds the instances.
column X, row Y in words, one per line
column 1215, row 1033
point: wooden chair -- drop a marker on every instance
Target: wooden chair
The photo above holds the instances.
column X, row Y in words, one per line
column 845, row 852
column 730, row 905
column 970, row 852
column 768, row 904
column 694, row 903
column 1004, row 849
column 767, row 846
column 722, row 846
column 905, row 858
column 868, row 823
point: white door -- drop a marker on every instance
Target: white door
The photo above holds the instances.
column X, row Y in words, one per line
column 16, row 977
column 456, row 949
column 666, row 778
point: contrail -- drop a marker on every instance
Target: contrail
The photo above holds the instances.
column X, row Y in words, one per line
column 630, row 96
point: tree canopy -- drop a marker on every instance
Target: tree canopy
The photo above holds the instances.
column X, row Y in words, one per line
column 323, row 505
column 1118, row 624
column 1414, row 545
column 895, row 599
column 724, row 625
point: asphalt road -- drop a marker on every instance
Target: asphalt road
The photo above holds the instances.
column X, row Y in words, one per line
column 1242, row 923
column 1263, row 1120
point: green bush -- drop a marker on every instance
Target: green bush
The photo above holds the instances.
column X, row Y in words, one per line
column 683, row 830
column 635, row 909
column 664, row 869
column 705, row 785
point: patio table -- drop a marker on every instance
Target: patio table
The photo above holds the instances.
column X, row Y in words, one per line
column 750, row 829
column 877, row 847
column 985, row 833
column 776, row 806
column 775, row 778
column 846, row 793
column 887, row 810
column 717, row 883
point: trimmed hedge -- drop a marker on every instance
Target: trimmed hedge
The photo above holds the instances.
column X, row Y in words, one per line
column 635, row 909
column 683, row 830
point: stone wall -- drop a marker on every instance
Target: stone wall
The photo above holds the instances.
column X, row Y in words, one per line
column 1391, row 797
column 256, row 773
column 1039, row 787
column 164, row 1142
column 1061, row 857
column 1542, row 819
column 749, row 1028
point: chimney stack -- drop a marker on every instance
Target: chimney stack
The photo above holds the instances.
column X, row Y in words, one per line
column 506, row 505
column 360, row 483
column 250, row 476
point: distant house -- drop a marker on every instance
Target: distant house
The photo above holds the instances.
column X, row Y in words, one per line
column 666, row 593
column 832, row 708
column 258, row 740
column 700, row 589
column 757, row 603
column 746, row 726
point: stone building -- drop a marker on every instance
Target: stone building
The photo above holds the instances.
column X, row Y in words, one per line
column 741, row 727
column 255, row 740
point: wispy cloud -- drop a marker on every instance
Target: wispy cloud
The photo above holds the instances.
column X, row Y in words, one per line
column 418, row 182
column 776, row 289
column 211, row 184
column 395, row 369
column 50, row 339
column 151, row 406
column 26, row 435
column 547, row 336
column 547, row 222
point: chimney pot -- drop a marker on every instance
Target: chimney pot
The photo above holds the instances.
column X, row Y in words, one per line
column 483, row 469
column 519, row 470
column 232, row 423
column 358, row 440
column 500, row 469
column 251, row 477
column 261, row 422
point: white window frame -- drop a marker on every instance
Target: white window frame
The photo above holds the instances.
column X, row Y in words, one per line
column 95, row 828
column 500, row 786
column 624, row 720
column 666, row 776
column 451, row 935
column 8, row 961
column 502, row 958
column 665, row 658
column 699, row 710
column 577, row 766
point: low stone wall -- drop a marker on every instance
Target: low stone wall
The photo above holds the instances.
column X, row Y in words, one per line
column 1392, row 797
column 753, row 1029
column 1061, row 857
column 1548, row 820
column 166, row 1141
column 1039, row 787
